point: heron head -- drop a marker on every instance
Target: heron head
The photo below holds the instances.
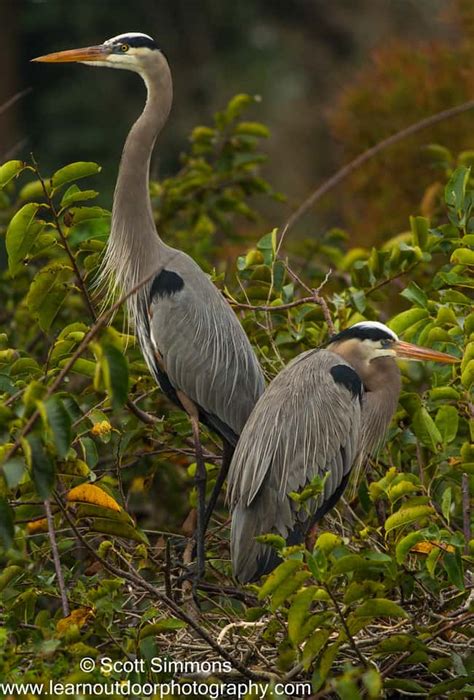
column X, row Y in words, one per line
column 129, row 51
column 371, row 340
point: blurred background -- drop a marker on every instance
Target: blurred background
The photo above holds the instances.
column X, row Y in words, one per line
column 334, row 78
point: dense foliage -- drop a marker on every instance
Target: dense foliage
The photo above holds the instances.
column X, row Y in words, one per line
column 97, row 467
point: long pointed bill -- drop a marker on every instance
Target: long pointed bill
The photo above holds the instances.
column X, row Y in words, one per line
column 90, row 53
column 414, row 352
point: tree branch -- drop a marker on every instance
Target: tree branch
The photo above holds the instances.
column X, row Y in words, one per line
column 57, row 562
column 361, row 159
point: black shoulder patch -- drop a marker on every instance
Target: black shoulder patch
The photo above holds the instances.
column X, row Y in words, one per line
column 166, row 283
column 342, row 374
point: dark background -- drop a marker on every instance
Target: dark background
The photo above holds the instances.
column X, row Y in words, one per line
column 301, row 56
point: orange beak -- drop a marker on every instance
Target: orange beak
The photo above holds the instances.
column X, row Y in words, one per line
column 414, row 352
column 90, row 53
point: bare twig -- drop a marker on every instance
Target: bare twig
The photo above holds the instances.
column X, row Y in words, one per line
column 445, row 628
column 350, row 638
column 349, row 168
column 57, row 562
column 134, row 577
column 14, row 99
column 466, row 512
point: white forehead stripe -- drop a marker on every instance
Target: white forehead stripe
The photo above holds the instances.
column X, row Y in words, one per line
column 376, row 324
column 127, row 35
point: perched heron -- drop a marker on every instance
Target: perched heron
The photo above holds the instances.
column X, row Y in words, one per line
column 191, row 339
column 323, row 414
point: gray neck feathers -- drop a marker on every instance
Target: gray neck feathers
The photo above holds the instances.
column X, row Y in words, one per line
column 380, row 401
column 134, row 248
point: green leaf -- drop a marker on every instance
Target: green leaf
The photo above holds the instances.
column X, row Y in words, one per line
column 115, row 369
column 8, row 574
column 74, row 171
column 426, row 430
column 287, row 587
column 455, row 190
column 73, row 194
column 48, row 292
column 108, row 526
column 328, row 658
column 278, row 576
column 170, row 625
column 404, row 516
column 42, row 467
column 9, row 170
column 420, row 231
column 416, row 295
column 313, row 646
column 408, row 686
column 298, row 612
column 453, row 564
column 406, row 319
column 21, row 235
column 252, row 129
column 60, row 423
column 380, row 607
column 406, row 543
column 80, row 214
column 463, row 256
column 7, row 529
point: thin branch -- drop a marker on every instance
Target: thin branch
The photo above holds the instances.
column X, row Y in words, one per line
column 134, row 577
column 362, row 158
column 466, row 512
column 14, row 99
column 350, row 638
column 445, row 628
column 57, row 562
column 64, row 241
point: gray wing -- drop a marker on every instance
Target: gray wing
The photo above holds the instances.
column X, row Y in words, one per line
column 204, row 349
column 307, row 423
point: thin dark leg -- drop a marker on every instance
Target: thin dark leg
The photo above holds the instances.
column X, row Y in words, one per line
column 228, row 451
column 200, row 481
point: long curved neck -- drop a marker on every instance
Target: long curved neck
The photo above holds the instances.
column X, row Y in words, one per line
column 134, row 248
column 382, row 383
column 131, row 199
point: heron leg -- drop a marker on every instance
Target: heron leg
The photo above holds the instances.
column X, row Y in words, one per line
column 200, row 480
column 228, row 451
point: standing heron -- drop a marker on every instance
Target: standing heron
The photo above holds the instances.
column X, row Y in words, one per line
column 191, row 339
column 322, row 415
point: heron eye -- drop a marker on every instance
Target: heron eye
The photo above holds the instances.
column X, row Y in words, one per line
column 386, row 343
column 124, row 48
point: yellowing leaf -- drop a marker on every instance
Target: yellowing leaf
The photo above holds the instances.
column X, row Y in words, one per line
column 36, row 526
column 88, row 493
column 78, row 617
column 426, row 547
column 101, row 428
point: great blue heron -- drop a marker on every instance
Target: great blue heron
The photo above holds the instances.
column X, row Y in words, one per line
column 191, row 339
column 323, row 414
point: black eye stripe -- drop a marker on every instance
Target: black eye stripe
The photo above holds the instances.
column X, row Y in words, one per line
column 136, row 42
column 362, row 333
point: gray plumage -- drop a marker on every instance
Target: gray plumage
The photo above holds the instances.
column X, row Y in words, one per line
column 190, row 337
column 304, row 426
column 323, row 414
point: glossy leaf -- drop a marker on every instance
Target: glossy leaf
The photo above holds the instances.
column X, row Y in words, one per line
column 21, row 234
